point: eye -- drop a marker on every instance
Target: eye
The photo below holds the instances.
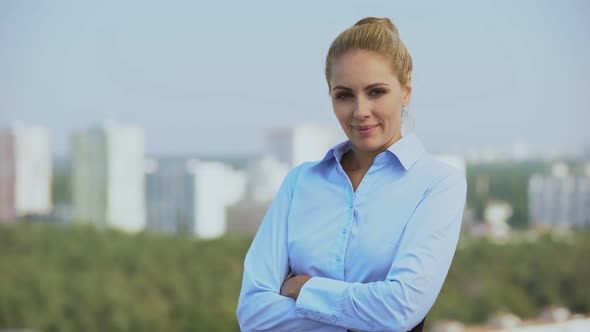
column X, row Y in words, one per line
column 343, row 95
column 377, row 92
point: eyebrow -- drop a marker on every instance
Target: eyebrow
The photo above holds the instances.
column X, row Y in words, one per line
column 341, row 87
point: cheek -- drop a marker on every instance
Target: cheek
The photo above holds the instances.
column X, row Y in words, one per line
column 341, row 113
column 389, row 110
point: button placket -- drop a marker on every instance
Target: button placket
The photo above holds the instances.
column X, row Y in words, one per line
column 301, row 312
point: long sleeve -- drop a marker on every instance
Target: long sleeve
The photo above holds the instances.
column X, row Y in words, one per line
column 419, row 268
column 260, row 306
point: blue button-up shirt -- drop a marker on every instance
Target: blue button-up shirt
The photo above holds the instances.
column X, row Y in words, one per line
column 378, row 255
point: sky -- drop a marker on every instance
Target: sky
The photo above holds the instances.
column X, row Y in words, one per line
column 211, row 77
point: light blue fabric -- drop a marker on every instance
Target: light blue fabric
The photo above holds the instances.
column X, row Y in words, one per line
column 378, row 256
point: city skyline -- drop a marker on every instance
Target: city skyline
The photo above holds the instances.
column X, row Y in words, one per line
column 212, row 79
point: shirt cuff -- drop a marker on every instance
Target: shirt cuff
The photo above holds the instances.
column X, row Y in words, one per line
column 321, row 299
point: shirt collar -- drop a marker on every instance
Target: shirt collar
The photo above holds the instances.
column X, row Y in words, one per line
column 337, row 151
column 407, row 150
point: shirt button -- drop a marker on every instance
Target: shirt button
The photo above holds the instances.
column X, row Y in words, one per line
column 338, row 258
column 344, row 231
column 333, row 319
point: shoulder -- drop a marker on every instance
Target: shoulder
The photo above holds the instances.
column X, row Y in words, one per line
column 295, row 174
column 438, row 173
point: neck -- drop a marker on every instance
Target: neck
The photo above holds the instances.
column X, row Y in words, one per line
column 361, row 160
column 364, row 159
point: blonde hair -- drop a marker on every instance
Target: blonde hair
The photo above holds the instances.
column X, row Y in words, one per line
column 374, row 34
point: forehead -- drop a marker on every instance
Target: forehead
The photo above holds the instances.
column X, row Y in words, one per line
column 361, row 68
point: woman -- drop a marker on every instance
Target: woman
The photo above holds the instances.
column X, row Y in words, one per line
column 363, row 239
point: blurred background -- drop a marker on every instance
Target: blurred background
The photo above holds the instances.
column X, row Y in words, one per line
column 141, row 143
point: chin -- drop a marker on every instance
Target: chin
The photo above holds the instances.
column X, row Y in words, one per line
column 367, row 145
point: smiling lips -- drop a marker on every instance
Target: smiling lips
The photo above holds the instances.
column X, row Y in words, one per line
column 364, row 130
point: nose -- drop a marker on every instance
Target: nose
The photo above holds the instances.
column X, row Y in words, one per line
column 362, row 108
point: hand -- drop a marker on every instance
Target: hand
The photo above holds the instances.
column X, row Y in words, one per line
column 292, row 286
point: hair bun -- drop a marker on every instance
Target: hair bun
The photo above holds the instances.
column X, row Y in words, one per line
column 384, row 21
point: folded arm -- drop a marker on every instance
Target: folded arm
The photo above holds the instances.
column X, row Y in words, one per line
column 419, row 268
column 261, row 307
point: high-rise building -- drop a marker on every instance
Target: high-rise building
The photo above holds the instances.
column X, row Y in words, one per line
column 582, row 197
column 560, row 199
column 192, row 196
column 169, row 196
column 265, row 176
column 108, row 176
column 245, row 216
column 25, row 171
column 298, row 144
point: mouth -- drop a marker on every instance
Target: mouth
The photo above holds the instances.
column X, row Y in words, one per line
column 365, row 130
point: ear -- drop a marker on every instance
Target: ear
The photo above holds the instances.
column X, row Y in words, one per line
column 407, row 91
